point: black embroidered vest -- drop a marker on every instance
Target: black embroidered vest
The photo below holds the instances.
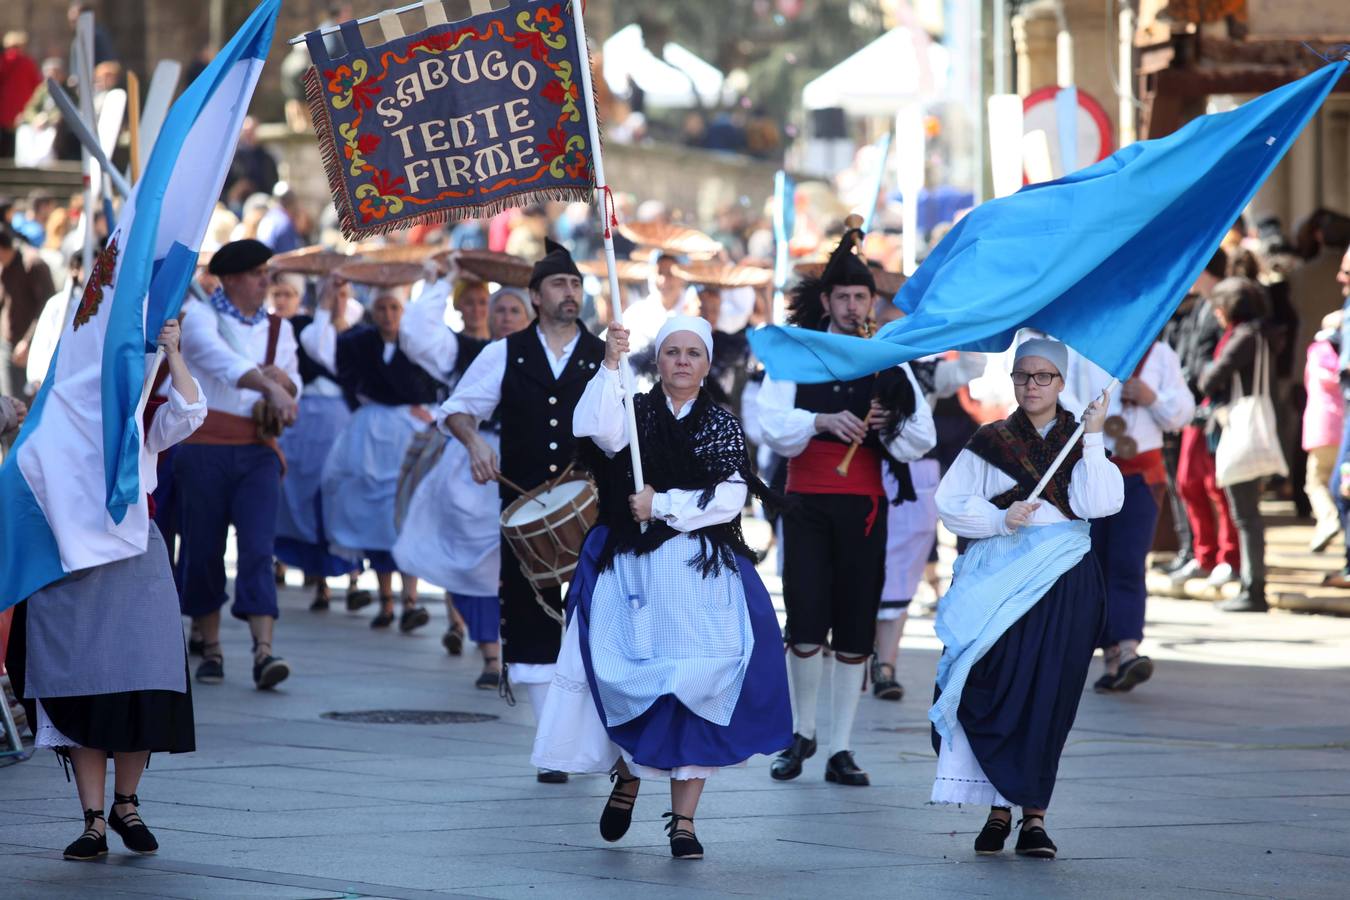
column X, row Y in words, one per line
column 536, row 408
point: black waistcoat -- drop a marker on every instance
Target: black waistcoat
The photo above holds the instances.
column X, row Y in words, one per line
column 536, row 409
column 400, row 382
column 837, row 396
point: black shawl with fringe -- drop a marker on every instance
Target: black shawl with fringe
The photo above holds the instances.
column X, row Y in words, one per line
column 696, row 453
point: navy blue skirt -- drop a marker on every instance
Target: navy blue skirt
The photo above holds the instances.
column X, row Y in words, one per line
column 1021, row 699
column 669, row 735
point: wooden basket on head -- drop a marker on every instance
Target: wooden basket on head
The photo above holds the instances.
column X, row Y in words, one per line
column 630, row 271
column 381, row 274
column 676, row 239
column 397, row 253
column 724, row 275
column 500, row 268
column 312, row 261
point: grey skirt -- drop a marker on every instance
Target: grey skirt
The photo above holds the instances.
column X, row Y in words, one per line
column 107, row 630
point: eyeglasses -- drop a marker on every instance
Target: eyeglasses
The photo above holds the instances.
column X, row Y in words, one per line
column 1044, row 379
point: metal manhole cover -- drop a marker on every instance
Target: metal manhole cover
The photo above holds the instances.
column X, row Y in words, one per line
column 409, row 717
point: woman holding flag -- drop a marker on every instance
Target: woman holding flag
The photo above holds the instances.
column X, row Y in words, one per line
column 670, row 666
column 1027, row 603
column 98, row 657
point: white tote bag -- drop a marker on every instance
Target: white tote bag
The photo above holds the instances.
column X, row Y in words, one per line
column 1249, row 446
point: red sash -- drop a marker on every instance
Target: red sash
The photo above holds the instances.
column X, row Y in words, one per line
column 813, row 471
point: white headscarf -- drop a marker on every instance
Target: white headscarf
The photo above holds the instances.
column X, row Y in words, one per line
column 694, row 324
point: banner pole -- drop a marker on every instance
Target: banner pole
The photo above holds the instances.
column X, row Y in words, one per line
column 608, row 220
column 1068, row 446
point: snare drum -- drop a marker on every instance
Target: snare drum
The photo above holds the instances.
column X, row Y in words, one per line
column 547, row 527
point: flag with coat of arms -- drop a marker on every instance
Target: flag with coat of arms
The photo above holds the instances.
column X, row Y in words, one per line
column 71, row 490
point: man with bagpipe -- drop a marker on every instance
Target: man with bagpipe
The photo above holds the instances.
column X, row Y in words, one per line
column 836, row 436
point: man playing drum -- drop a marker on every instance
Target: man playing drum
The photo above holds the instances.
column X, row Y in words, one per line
column 533, row 379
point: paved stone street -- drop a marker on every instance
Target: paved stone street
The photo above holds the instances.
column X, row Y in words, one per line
column 1225, row 775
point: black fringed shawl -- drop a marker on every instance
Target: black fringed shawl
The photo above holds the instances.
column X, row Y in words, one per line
column 1016, row 448
column 696, row 453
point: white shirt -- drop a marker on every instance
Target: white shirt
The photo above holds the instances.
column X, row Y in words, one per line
column 787, row 430
column 480, row 390
column 319, row 339
column 645, row 319
column 219, row 366
column 1085, row 381
column 600, row 416
column 1096, row 490
column 424, row 336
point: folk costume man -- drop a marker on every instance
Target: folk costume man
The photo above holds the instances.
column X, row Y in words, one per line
column 1021, row 620
column 533, row 379
column 229, row 471
column 834, row 530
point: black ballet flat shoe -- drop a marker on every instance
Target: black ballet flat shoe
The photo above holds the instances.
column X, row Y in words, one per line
column 993, row 835
column 91, row 844
column 884, row 685
column 131, row 829
column 618, row 812
column 211, row 670
column 788, row 764
column 269, row 672
column 550, row 776
column 1133, row 673
column 489, row 681
column 321, row 600
column 413, row 618
column 383, row 620
column 841, row 769
column 358, row 600
column 683, row 843
column 453, row 641
column 1105, row 685
column 1034, row 841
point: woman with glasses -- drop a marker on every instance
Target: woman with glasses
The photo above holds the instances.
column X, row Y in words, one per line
column 1021, row 620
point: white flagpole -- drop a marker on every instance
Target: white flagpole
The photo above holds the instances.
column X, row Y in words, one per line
column 602, row 190
column 1068, row 446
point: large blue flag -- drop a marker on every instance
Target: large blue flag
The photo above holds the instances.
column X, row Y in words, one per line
column 71, row 490
column 1100, row 258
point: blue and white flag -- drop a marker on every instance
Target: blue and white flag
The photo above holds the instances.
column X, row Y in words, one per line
column 71, row 490
column 1100, row 258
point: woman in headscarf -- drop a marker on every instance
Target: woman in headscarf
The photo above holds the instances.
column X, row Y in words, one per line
column 1026, row 606
column 671, row 664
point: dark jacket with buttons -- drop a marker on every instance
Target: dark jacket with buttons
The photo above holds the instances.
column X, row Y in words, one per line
column 536, row 408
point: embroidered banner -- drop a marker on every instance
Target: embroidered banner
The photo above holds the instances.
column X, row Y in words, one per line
column 462, row 119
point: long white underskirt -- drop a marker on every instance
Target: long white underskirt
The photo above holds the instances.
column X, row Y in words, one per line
column 571, row 737
column 48, row 735
column 532, row 673
column 960, row 779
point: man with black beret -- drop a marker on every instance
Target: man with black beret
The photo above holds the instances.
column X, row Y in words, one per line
column 229, row 472
column 533, row 379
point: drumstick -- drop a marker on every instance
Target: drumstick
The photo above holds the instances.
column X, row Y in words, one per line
column 517, row 488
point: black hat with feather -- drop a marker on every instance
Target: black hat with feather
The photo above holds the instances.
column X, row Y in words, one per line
column 846, row 268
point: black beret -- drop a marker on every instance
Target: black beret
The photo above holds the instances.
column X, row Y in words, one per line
column 239, row 256
column 557, row 261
